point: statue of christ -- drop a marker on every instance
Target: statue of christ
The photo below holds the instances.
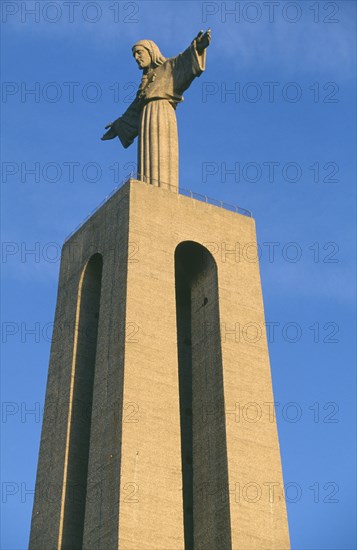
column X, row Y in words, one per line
column 151, row 116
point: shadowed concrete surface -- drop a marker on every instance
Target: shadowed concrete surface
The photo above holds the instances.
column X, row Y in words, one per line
column 82, row 400
column 203, row 438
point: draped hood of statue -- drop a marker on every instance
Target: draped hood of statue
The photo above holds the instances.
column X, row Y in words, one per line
column 151, row 116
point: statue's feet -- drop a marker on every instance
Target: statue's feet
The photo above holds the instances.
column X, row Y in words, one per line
column 110, row 134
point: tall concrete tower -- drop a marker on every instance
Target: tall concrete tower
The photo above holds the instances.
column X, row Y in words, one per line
column 158, row 431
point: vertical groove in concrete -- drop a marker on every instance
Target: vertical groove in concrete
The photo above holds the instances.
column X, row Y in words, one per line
column 101, row 528
column 184, row 349
column 82, row 379
column 203, row 431
column 98, row 424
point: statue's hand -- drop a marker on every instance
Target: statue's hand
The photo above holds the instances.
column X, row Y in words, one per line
column 203, row 40
column 110, row 134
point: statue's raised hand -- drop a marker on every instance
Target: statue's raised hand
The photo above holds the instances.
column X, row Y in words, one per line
column 203, row 40
column 110, row 134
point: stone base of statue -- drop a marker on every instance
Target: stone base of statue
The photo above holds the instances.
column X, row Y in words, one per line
column 157, row 431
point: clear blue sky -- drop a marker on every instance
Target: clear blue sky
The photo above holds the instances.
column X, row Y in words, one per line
column 289, row 134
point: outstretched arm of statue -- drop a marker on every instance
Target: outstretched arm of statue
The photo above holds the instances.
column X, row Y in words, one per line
column 126, row 127
column 191, row 63
column 203, row 40
column 110, row 134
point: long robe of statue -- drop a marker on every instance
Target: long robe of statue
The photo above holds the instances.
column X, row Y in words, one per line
column 151, row 116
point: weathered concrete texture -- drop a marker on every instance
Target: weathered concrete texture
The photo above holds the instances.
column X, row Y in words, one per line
column 134, row 489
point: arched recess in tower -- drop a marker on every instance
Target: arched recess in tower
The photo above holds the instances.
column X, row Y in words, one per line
column 80, row 406
column 202, row 412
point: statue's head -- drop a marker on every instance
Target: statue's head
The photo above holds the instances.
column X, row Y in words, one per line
column 147, row 54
